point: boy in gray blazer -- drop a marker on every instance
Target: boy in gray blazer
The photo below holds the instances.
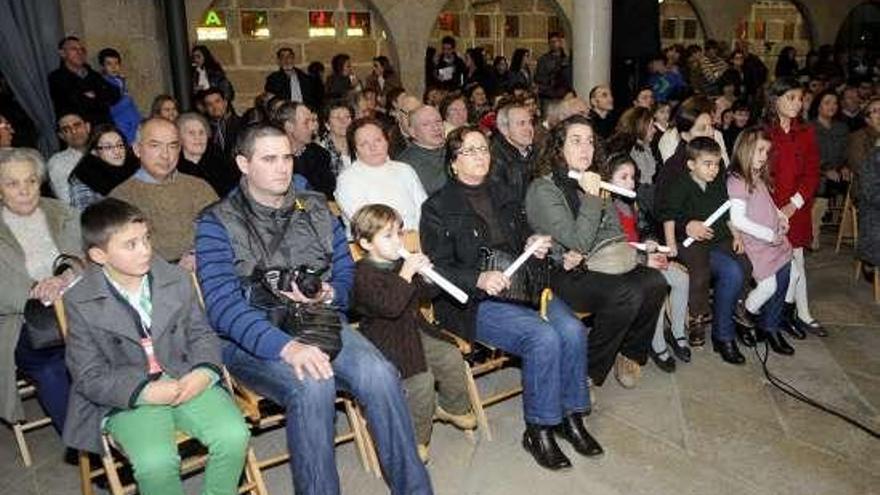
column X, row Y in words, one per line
column 143, row 360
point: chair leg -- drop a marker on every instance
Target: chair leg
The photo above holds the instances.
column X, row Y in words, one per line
column 369, row 446
column 858, row 272
column 85, row 474
column 18, row 430
column 477, row 403
column 115, row 485
column 357, row 429
column 253, row 473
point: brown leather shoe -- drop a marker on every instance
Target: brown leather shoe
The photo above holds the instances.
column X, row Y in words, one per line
column 627, row 371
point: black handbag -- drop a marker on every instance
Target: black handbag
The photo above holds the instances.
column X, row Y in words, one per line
column 41, row 325
column 526, row 284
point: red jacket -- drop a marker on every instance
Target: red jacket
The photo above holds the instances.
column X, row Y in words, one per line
column 794, row 166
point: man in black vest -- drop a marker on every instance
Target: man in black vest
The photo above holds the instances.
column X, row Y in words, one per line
column 267, row 223
column 77, row 88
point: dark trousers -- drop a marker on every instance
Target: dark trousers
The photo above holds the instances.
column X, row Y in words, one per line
column 697, row 259
column 46, row 368
column 625, row 306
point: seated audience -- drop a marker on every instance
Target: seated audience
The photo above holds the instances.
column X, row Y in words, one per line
column 715, row 259
column 199, row 158
column 620, row 170
column 225, row 124
column 165, row 106
column 108, row 163
column 602, row 113
column 633, row 136
column 383, row 78
column 512, row 148
column 6, row 133
column 868, row 248
column 74, row 132
column 831, row 138
column 34, row 231
column 310, row 160
column 861, row 143
column 375, row 178
column 337, row 119
column 207, row 73
column 599, row 270
column 153, row 307
column 426, row 152
column 388, row 294
column 468, row 220
column 455, row 112
column 692, row 122
column 342, row 78
column 170, row 199
column 299, row 375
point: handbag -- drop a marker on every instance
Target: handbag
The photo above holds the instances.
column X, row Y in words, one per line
column 527, row 282
column 317, row 325
column 613, row 257
column 41, row 325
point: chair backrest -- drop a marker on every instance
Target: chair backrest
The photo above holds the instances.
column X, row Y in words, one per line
column 61, row 316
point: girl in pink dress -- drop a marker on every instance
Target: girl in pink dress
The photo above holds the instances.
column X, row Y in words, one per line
column 763, row 228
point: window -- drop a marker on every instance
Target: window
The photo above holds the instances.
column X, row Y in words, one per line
column 690, row 29
column 321, row 23
column 760, row 30
column 254, row 24
column 482, row 26
column 212, row 27
column 511, row 26
column 667, row 29
column 358, row 24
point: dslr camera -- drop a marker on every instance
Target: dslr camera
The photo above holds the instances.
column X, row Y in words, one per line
column 306, row 278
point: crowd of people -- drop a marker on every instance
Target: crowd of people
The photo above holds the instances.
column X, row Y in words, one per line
column 266, row 207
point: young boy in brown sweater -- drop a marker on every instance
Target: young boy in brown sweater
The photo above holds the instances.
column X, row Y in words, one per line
column 388, row 294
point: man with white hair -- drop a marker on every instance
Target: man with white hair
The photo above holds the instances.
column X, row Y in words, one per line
column 512, row 150
column 426, row 153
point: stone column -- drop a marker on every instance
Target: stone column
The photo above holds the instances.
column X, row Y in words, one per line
column 591, row 44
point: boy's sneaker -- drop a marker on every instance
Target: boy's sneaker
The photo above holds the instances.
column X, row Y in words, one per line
column 627, row 371
column 466, row 421
column 424, row 455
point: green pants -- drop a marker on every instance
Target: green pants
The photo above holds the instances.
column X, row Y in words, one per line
column 146, row 434
column 446, row 372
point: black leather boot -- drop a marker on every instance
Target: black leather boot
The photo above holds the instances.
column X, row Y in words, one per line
column 539, row 441
column 745, row 335
column 573, row 430
column 776, row 341
column 790, row 324
column 729, row 351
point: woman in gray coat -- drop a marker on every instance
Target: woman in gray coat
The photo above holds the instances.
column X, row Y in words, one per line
column 34, row 231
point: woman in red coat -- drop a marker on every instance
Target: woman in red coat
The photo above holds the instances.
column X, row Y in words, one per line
column 794, row 164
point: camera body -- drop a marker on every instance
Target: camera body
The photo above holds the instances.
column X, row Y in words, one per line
column 307, row 279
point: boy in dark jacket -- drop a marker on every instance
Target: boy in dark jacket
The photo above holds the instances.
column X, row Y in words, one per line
column 143, row 361
column 388, row 294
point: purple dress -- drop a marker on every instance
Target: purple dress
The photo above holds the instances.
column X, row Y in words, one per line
column 766, row 258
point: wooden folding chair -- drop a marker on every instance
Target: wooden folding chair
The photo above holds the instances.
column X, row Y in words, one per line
column 112, row 459
column 26, row 390
column 848, row 231
column 875, row 278
column 253, row 406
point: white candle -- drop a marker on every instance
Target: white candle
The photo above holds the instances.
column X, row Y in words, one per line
column 438, row 279
column 522, row 259
column 574, row 174
column 641, row 246
column 712, row 219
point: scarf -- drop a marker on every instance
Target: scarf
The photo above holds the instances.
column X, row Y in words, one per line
column 570, row 188
column 102, row 177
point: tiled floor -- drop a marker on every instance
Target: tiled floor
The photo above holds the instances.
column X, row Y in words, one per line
column 708, row 428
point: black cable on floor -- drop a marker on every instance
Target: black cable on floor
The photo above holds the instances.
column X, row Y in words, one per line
column 791, row 391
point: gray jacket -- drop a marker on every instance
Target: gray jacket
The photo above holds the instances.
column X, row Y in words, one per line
column 429, row 165
column 63, row 223
column 548, row 213
column 107, row 364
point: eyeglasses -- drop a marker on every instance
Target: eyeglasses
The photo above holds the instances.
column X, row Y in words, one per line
column 473, row 150
column 111, row 147
column 70, row 128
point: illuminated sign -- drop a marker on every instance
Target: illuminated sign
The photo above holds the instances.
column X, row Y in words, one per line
column 212, row 27
column 321, row 23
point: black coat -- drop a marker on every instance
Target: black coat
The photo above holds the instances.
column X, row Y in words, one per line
column 452, row 234
column 313, row 163
column 90, row 97
column 278, row 83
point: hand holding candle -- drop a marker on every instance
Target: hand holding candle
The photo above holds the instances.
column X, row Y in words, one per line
column 438, row 279
column 717, row 214
column 574, row 174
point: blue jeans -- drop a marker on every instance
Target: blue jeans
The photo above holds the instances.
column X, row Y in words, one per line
column 46, row 368
column 553, row 353
column 773, row 309
column 309, row 404
column 727, row 281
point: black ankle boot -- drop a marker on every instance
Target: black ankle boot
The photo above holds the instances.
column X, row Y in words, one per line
column 539, row 441
column 790, row 322
column 572, row 429
column 776, row 341
column 729, row 351
column 745, row 335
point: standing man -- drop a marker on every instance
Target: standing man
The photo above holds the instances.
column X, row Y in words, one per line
column 295, row 228
column 292, row 84
column 77, row 88
column 553, row 73
column 74, row 131
column 449, row 68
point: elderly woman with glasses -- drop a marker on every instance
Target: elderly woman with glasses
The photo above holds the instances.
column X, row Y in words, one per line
column 34, row 233
column 462, row 223
column 107, row 163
